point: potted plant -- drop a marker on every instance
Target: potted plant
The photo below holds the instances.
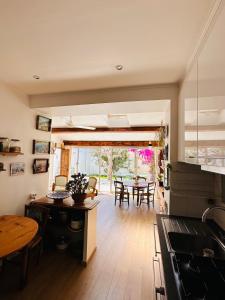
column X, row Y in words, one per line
column 77, row 187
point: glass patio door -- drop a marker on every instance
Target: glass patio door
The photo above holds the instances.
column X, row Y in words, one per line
column 108, row 163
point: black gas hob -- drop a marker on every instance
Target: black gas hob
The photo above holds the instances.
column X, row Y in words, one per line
column 199, row 277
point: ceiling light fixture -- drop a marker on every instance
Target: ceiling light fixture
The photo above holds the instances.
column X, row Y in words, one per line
column 119, row 67
column 36, row 77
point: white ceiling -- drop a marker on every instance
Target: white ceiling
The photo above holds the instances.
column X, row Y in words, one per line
column 139, row 113
column 74, row 45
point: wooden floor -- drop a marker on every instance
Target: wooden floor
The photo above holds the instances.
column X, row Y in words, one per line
column 120, row 269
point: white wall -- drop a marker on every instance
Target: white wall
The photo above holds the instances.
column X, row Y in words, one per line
column 135, row 93
column 17, row 120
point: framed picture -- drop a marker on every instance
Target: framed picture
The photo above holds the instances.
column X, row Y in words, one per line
column 17, row 169
column 40, row 165
column 43, row 123
column 41, row 147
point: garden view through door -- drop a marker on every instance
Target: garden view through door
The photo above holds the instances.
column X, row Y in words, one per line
column 109, row 163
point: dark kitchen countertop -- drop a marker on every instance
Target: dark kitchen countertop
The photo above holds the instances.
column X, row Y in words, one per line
column 170, row 283
column 183, row 225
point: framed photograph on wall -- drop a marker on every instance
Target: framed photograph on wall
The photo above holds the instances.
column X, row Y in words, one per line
column 41, row 147
column 17, row 168
column 40, row 165
column 43, row 123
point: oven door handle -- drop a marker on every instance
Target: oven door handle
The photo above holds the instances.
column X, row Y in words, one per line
column 155, row 246
column 157, row 290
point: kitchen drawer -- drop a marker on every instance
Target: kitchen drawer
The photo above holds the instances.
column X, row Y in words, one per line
column 158, row 273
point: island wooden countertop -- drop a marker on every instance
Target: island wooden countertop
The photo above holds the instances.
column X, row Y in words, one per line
column 69, row 203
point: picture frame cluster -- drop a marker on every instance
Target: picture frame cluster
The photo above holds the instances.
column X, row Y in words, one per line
column 41, row 165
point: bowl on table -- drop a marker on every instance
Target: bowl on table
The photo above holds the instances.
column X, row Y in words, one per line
column 58, row 196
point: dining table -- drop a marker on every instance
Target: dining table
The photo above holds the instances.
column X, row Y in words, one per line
column 16, row 232
column 139, row 186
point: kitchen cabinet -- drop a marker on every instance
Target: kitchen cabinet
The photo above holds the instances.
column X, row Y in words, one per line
column 189, row 97
column 211, row 99
column 203, row 101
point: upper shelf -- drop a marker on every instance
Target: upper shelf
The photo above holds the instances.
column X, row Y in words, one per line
column 11, row 153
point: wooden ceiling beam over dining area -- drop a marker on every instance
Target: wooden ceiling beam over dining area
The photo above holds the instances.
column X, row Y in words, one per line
column 108, row 143
column 106, row 129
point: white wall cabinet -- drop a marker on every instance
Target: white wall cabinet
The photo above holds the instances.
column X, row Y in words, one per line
column 190, row 116
column 203, row 98
column 211, row 99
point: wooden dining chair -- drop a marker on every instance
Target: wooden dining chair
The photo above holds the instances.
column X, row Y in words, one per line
column 134, row 189
column 148, row 196
column 118, row 178
column 60, row 183
column 121, row 193
column 91, row 188
column 40, row 214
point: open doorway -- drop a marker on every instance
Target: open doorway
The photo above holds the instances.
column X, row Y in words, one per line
column 112, row 141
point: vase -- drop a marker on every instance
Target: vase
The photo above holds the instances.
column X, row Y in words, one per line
column 78, row 198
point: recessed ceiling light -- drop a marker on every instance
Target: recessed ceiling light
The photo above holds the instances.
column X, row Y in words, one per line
column 36, row 77
column 119, row 67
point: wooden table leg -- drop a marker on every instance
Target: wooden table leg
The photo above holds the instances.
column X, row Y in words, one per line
column 24, row 267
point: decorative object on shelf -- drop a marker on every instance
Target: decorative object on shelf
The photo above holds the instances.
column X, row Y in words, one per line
column 160, row 179
column 41, row 147
column 53, row 147
column 62, row 243
column 166, row 152
column 167, row 176
column 43, row 123
column 4, row 144
column 33, row 196
column 14, row 148
column 17, row 168
column 2, row 167
column 40, row 165
column 58, row 196
column 77, row 187
column 76, row 224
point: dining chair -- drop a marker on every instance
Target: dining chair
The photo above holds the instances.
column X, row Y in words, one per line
column 118, row 178
column 60, row 183
column 148, row 196
column 91, row 188
column 41, row 215
column 134, row 189
column 121, row 193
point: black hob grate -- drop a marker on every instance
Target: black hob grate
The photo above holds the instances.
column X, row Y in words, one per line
column 200, row 278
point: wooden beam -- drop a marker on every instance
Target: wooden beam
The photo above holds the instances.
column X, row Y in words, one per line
column 106, row 129
column 108, row 143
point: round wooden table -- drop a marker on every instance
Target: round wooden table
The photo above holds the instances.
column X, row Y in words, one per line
column 138, row 186
column 16, row 232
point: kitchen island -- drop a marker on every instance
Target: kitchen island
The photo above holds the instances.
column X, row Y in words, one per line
column 81, row 240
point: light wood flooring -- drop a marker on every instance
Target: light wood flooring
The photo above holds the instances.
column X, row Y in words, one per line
column 120, row 269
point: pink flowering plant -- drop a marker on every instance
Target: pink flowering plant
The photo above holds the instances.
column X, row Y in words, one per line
column 146, row 154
